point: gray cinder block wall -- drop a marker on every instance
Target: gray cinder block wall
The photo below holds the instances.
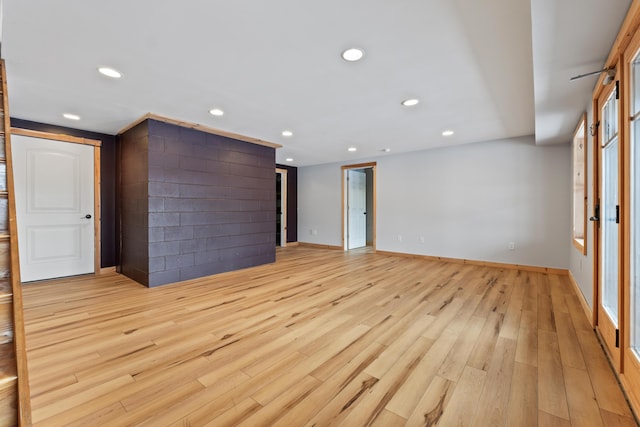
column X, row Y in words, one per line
column 193, row 203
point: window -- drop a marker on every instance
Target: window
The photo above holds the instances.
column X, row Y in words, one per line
column 579, row 186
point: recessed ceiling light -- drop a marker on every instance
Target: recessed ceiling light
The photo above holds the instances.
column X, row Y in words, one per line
column 352, row 149
column 289, row 159
column 110, row 72
column 447, row 133
column 216, row 112
column 410, row 102
column 386, row 150
column 71, row 116
column 287, row 133
column 353, row 54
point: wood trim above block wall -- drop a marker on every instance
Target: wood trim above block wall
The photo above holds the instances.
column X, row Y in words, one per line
column 201, row 128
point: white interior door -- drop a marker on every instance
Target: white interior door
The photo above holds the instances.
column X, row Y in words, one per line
column 54, row 187
column 357, row 209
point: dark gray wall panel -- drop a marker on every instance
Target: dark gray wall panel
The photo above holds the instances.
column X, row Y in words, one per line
column 211, row 204
column 134, row 203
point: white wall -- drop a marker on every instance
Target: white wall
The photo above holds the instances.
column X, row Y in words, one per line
column 320, row 204
column 581, row 266
column 467, row 202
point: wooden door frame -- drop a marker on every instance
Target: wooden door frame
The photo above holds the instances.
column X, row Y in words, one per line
column 96, row 183
column 619, row 56
column 600, row 97
column 343, row 214
column 630, row 372
column 283, row 204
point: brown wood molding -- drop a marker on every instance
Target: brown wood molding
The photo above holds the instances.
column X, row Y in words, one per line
column 56, row 137
column 373, row 166
column 360, row 166
column 97, row 203
column 318, row 246
column 534, row 269
column 201, row 128
column 107, row 270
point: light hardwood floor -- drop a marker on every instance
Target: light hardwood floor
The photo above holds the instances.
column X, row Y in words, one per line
column 319, row 338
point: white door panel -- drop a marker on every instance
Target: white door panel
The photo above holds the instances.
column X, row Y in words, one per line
column 44, row 182
column 357, row 208
column 53, row 244
column 54, row 207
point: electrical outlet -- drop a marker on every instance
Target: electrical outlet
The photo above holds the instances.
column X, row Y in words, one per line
column 399, row 237
column 512, row 246
column 314, row 232
column 421, row 239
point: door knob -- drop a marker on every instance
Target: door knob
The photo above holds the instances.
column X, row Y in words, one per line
column 88, row 216
column 594, row 218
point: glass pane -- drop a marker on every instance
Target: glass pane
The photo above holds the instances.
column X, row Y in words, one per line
column 613, row 116
column 3, row 176
column 579, row 184
column 609, row 203
column 610, row 119
column 635, row 233
column 5, row 259
column 636, row 86
column 605, row 124
column 4, row 215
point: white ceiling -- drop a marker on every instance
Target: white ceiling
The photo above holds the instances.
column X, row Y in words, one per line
column 486, row 69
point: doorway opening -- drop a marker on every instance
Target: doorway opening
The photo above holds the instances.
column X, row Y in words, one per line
column 359, row 206
column 281, row 207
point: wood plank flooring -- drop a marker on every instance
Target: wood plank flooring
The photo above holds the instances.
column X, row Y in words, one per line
column 320, row 338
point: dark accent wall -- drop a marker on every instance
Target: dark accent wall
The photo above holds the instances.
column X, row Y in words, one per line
column 108, row 200
column 134, row 203
column 292, row 202
column 211, row 203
